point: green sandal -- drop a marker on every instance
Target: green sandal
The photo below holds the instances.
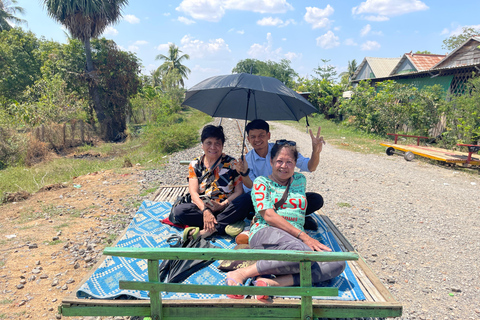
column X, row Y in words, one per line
column 186, row 233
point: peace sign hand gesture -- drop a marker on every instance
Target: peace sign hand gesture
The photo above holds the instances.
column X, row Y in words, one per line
column 317, row 142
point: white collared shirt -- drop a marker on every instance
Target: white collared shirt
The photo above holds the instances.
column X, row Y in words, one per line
column 261, row 166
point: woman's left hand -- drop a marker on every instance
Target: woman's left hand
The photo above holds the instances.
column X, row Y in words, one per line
column 215, row 206
column 314, row 244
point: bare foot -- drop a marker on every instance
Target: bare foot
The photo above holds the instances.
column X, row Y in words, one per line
column 205, row 233
column 235, row 277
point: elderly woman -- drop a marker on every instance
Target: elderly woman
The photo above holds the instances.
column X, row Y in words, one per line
column 214, row 185
column 282, row 228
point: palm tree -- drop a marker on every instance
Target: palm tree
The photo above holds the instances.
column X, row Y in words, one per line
column 7, row 11
column 173, row 62
column 352, row 66
column 86, row 19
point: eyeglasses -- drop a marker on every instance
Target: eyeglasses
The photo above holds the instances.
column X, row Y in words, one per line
column 284, row 142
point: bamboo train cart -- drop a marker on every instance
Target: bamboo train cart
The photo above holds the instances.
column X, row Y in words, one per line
column 448, row 157
column 378, row 303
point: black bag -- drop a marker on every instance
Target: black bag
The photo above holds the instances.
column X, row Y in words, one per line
column 176, row 271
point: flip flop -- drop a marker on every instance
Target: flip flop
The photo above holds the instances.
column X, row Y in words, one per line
column 261, row 283
column 186, row 233
column 234, row 296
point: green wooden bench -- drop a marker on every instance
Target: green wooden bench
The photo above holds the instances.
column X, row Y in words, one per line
column 160, row 310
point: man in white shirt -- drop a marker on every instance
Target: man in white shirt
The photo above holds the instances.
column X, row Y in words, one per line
column 258, row 163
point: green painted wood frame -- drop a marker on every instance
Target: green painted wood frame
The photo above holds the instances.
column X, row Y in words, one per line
column 155, row 287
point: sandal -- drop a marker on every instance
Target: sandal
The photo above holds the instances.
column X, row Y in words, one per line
column 234, row 296
column 261, row 283
column 194, row 235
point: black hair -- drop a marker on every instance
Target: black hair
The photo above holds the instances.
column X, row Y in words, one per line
column 211, row 131
column 277, row 147
column 258, row 124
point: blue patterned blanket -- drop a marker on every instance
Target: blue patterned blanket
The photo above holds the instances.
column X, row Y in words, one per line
column 145, row 230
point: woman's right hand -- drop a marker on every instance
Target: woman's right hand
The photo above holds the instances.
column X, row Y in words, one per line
column 314, row 244
column 209, row 221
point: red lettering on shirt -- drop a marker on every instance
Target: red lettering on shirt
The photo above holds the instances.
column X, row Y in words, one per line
column 260, row 194
column 292, row 202
column 257, row 187
column 260, row 206
column 304, row 203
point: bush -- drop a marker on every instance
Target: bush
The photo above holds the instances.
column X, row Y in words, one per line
column 12, row 148
column 37, row 151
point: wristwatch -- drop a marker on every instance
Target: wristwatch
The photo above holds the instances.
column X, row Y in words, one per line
column 246, row 173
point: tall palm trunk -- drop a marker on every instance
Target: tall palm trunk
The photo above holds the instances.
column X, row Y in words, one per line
column 93, row 89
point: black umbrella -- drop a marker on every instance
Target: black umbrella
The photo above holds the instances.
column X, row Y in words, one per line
column 249, row 97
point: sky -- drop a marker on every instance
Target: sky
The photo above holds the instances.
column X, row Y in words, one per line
column 217, row 34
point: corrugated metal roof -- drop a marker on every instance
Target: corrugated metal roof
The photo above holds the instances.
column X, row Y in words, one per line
column 382, row 67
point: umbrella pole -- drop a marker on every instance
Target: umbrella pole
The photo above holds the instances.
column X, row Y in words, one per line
column 245, row 126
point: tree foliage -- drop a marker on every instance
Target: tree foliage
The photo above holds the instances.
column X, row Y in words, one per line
column 327, row 71
column 453, row 42
column 393, row 107
column 8, row 10
column 278, row 70
column 172, row 66
column 86, row 19
column 324, row 95
column 19, row 63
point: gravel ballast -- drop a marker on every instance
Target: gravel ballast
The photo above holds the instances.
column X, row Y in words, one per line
column 416, row 224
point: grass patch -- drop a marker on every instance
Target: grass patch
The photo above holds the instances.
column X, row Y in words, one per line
column 6, row 301
column 54, row 242
column 148, row 191
column 2, row 263
column 344, row 205
column 342, row 136
column 63, row 225
column 147, row 149
column 3, row 316
column 110, row 238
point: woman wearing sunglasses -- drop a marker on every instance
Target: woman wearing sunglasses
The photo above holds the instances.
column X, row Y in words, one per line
column 279, row 226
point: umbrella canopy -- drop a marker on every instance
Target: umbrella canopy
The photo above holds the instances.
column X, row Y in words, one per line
column 249, row 97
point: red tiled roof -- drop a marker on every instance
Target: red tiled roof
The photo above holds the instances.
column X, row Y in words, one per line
column 424, row 61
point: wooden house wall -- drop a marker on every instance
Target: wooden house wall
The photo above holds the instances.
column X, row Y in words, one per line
column 467, row 55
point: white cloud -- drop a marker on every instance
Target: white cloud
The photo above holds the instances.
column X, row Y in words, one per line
column 293, row 56
column 209, row 10
column 186, row 20
column 328, row 41
column 275, row 22
column 318, row 18
column 166, row 14
column 164, row 46
column 269, row 21
column 459, row 30
column 265, row 51
column 133, row 48
column 365, row 30
column 198, row 68
column 261, row 6
column 381, row 10
column 130, row 18
column 110, row 31
column 241, row 31
column 350, row 42
column 213, row 49
column 236, row 31
column 140, row 42
column 444, row 32
column 377, row 18
column 214, row 10
column 370, row 45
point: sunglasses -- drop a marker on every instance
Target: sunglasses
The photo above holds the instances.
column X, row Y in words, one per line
column 286, row 142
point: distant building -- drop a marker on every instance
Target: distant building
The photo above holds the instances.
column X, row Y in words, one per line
column 450, row 71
